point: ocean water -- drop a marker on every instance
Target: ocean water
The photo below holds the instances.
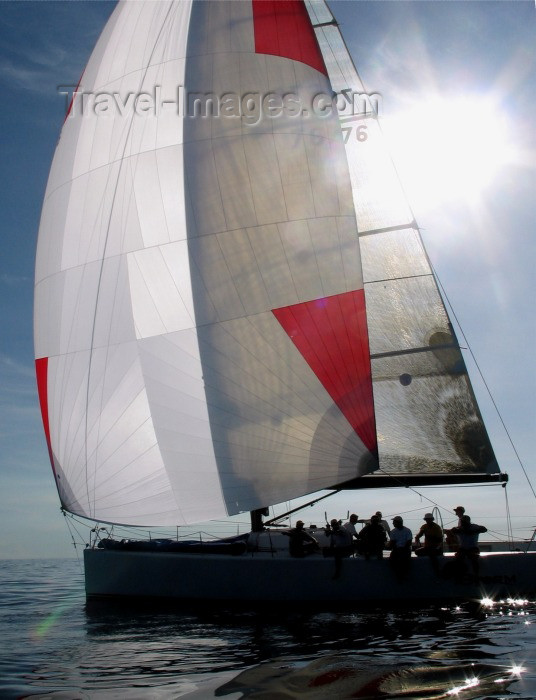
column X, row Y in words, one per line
column 55, row 646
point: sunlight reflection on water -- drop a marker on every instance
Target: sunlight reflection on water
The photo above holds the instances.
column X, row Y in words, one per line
column 54, row 646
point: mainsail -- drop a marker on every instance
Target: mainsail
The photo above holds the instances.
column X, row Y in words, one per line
column 201, row 339
column 429, row 425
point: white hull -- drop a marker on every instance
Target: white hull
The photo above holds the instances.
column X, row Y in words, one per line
column 263, row 577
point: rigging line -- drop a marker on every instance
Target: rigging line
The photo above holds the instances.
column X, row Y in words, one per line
column 439, row 508
column 484, row 381
column 73, row 539
column 411, row 488
column 510, row 533
column 421, row 495
column 302, row 506
column 471, row 485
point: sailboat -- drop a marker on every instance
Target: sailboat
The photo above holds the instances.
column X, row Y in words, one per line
column 234, row 308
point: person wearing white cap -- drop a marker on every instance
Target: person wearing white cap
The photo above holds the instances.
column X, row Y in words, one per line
column 400, row 539
column 433, row 538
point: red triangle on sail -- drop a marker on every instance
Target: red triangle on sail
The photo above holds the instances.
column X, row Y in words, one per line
column 283, row 28
column 331, row 334
column 41, row 373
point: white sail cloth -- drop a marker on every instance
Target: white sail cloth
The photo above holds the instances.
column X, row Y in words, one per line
column 200, row 334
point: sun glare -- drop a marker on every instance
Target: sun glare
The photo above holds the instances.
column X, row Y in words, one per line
column 447, row 149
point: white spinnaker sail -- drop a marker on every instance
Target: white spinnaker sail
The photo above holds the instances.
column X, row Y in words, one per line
column 426, row 415
column 200, row 335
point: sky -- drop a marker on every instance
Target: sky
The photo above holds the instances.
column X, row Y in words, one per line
column 458, row 88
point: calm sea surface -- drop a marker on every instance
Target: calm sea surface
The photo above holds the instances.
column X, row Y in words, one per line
column 53, row 646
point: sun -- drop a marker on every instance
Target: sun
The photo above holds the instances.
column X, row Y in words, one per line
column 446, row 149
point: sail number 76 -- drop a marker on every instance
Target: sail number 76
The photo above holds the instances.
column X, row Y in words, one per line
column 360, row 132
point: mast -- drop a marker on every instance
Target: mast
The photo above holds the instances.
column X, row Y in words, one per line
column 257, row 524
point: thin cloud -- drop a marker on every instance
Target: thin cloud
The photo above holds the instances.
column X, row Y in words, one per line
column 23, row 77
column 9, row 366
column 34, row 72
column 13, row 280
column 54, row 55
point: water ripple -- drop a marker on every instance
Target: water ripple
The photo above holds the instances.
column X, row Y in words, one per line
column 55, row 647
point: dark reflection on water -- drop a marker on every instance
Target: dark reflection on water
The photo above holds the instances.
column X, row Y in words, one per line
column 54, row 646
column 347, row 678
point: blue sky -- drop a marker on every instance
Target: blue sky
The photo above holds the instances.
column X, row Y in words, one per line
column 480, row 242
